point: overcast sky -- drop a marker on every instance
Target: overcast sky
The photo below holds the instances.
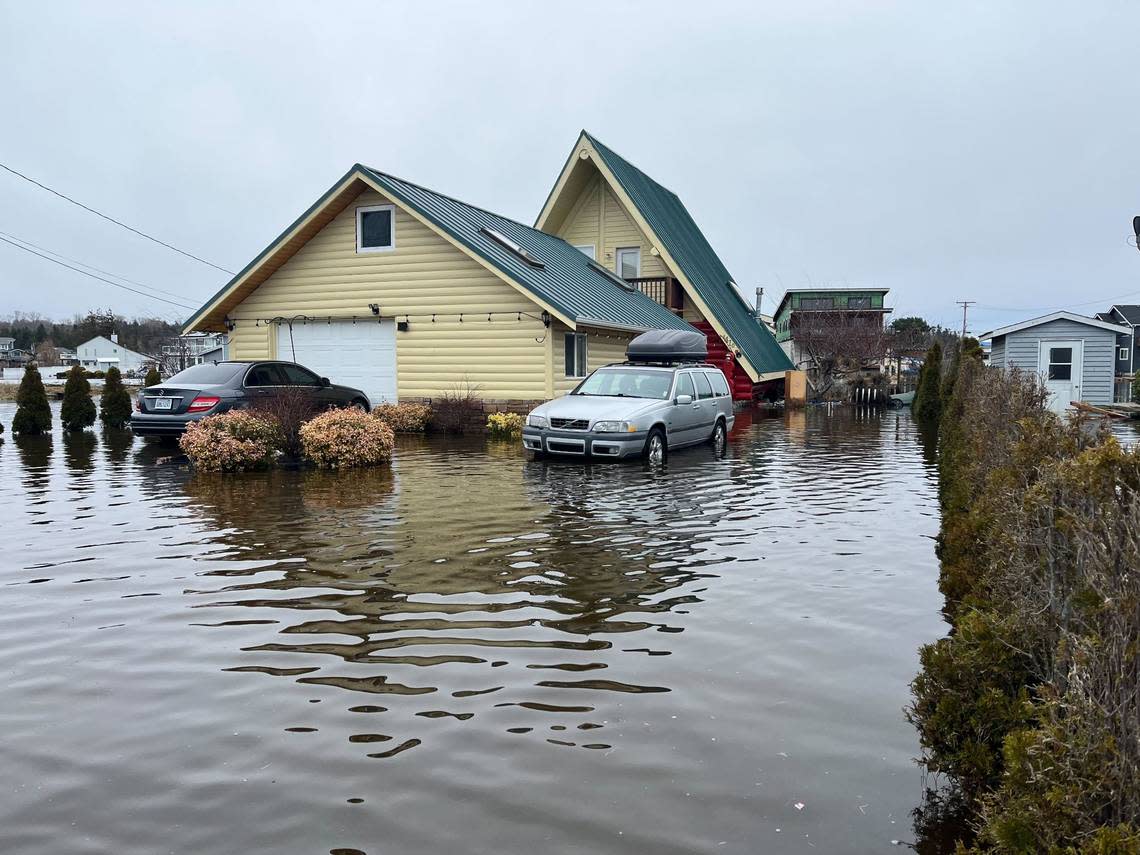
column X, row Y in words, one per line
column 949, row 151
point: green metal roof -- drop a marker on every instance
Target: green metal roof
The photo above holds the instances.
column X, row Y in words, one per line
column 568, row 281
column 683, row 240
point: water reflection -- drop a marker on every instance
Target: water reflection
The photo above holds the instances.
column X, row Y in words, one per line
column 524, row 577
column 79, row 450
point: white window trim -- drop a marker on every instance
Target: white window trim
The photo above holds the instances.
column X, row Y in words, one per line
column 593, row 250
column 1123, row 353
column 617, row 259
column 359, row 233
column 585, row 339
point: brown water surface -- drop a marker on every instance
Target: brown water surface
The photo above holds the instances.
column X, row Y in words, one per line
column 469, row 652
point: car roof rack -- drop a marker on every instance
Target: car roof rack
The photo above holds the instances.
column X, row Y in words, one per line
column 668, row 346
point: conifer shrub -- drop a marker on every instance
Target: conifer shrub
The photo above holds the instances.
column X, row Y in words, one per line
column 1031, row 705
column 927, row 404
column 115, row 401
column 234, row 441
column 1136, row 388
column 153, row 378
column 33, row 414
column 505, row 425
column 405, row 417
column 340, row 439
column 78, row 411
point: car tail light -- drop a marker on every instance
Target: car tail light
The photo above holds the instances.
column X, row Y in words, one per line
column 203, row 403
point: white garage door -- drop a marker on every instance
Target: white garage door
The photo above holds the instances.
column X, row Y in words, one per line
column 361, row 355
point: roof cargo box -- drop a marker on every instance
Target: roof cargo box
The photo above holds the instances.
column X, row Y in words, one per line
column 668, row 346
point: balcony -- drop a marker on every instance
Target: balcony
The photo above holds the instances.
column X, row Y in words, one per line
column 661, row 289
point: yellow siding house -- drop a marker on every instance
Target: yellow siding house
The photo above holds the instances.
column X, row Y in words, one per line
column 407, row 294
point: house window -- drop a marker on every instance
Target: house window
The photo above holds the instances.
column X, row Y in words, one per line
column 586, row 249
column 816, row 304
column 1123, row 357
column 376, row 228
column 1060, row 363
column 858, row 302
column 577, row 364
column 627, row 262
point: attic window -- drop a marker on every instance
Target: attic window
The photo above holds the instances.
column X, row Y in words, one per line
column 376, row 228
column 504, row 241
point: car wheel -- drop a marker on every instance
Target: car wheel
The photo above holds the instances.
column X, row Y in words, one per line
column 359, row 404
column 656, row 447
column 719, row 438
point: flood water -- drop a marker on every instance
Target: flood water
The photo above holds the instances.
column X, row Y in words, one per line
column 468, row 652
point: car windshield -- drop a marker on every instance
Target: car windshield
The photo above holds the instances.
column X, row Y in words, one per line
column 627, row 383
column 208, row 374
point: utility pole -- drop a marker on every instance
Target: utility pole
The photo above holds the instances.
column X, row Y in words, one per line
column 965, row 304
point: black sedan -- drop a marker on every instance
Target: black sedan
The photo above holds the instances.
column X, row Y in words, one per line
column 215, row 387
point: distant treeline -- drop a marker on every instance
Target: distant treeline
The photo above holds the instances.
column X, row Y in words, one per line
column 143, row 335
column 1030, row 707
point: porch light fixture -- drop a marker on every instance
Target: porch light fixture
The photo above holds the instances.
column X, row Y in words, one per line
column 375, row 307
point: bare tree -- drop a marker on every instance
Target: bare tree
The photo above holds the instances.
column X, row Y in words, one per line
column 838, row 346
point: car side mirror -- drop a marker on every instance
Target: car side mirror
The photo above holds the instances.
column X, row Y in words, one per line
column 325, row 382
column 683, row 400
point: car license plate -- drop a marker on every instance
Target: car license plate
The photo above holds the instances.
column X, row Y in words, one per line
column 163, row 403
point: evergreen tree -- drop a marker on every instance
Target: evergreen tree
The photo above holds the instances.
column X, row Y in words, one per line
column 1136, row 388
column 153, row 378
column 78, row 409
column 928, row 396
column 33, row 415
column 115, row 404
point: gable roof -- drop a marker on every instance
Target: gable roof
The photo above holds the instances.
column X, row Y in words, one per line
column 1130, row 314
column 676, row 235
column 1056, row 316
column 113, row 344
column 562, row 280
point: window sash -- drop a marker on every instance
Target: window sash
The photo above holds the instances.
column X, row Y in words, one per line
column 381, row 247
column 633, row 254
column 577, row 358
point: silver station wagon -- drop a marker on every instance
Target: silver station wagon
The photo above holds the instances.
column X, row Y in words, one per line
column 662, row 399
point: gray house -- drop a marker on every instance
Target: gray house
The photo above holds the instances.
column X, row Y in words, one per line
column 1075, row 355
column 1127, row 346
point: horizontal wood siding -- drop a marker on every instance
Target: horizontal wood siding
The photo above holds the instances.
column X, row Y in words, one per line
column 1023, row 347
column 599, row 218
column 997, row 352
column 602, row 348
column 424, row 275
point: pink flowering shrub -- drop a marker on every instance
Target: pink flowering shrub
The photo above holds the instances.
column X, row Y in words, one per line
column 344, row 438
column 404, row 418
column 230, row 442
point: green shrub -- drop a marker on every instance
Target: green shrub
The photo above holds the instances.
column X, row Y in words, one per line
column 153, row 378
column 78, row 411
column 927, row 405
column 340, row 439
column 33, row 414
column 230, row 442
column 1136, row 387
column 505, row 424
column 115, row 402
column 405, row 418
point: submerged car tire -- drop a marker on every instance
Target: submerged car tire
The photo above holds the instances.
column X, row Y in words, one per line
column 719, row 438
column 656, row 447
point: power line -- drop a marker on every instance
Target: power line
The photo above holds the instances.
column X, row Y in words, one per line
column 93, row 276
column 113, row 220
column 85, row 264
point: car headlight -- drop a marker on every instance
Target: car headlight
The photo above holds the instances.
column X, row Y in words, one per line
column 613, row 427
column 536, row 421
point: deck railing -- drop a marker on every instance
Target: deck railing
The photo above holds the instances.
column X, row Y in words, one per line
column 663, row 289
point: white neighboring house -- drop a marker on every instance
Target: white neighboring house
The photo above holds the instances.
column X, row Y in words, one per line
column 101, row 353
column 6, row 344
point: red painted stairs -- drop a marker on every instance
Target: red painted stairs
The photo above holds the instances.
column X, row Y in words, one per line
column 738, row 379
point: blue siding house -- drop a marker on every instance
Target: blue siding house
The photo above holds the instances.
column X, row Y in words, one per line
column 1075, row 355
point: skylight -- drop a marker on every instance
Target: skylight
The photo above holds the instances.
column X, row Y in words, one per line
column 610, row 275
column 503, row 240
